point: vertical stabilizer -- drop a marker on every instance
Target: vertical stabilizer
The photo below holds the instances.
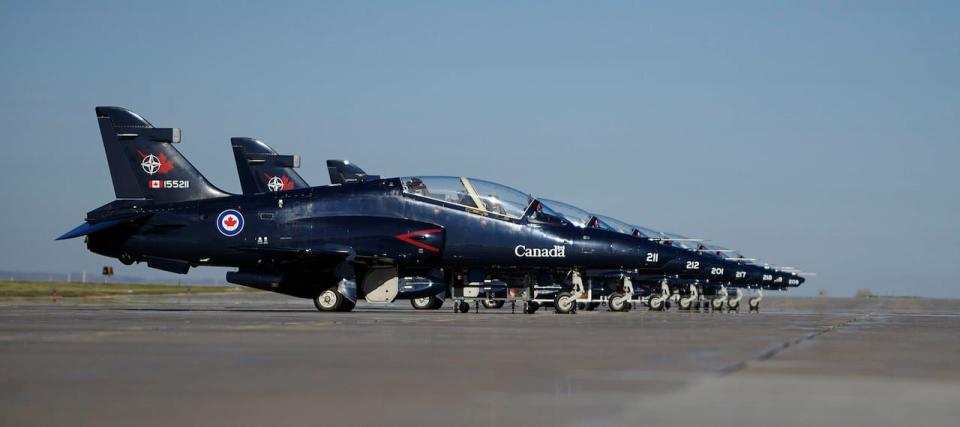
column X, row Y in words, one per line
column 262, row 170
column 143, row 162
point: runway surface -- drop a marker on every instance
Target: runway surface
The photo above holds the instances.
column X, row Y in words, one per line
column 263, row 359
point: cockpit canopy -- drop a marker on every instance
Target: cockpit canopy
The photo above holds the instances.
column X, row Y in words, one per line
column 614, row 224
column 572, row 214
column 474, row 194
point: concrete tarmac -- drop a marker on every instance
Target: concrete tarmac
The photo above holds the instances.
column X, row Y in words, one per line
column 263, row 359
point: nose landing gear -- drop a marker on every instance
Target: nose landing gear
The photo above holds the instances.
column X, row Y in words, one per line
column 754, row 303
column 566, row 302
column 718, row 302
column 733, row 304
column 686, row 303
column 659, row 302
column 620, row 301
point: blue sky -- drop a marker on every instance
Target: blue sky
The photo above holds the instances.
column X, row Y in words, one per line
column 817, row 134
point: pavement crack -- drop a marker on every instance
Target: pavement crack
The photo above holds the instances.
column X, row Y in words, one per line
column 770, row 352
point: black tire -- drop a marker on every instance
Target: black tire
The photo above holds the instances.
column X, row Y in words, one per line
column 733, row 306
column 346, row 306
column 618, row 302
column 464, row 307
column 329, row 301
column 532, row 307
column 492, row 304
column 564, row 303
column 754, row 304
column 684, row 305
column 655, row 304
column 716, row 304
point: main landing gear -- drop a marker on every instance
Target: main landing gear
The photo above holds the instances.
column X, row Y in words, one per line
column 332, row 300
column 426, row 303
column 343, row 297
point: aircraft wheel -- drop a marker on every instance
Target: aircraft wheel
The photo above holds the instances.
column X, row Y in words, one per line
column 733, row 306
column 666, row 305
column 564, row 303
column 426, row 303
column 684, row 304
column 754, row 304
column 717, row 304
column 532, row 307
column 492, row 304
column 464, row 307
column 618, row 302
column 329, row 300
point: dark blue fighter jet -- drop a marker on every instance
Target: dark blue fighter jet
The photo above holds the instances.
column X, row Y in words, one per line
column 334, row 244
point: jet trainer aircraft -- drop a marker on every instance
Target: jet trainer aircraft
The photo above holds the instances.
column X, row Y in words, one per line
column 703, row 280
column 336, row 243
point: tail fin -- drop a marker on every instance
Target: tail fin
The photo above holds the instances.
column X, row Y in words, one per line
column 143, row 162
column 344, row 172
column 262, row 170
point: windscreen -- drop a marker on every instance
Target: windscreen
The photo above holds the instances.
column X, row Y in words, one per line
column 572, row 214
column 614, row 224
column 682, row 241
column 650, row 234
column 477, row 194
